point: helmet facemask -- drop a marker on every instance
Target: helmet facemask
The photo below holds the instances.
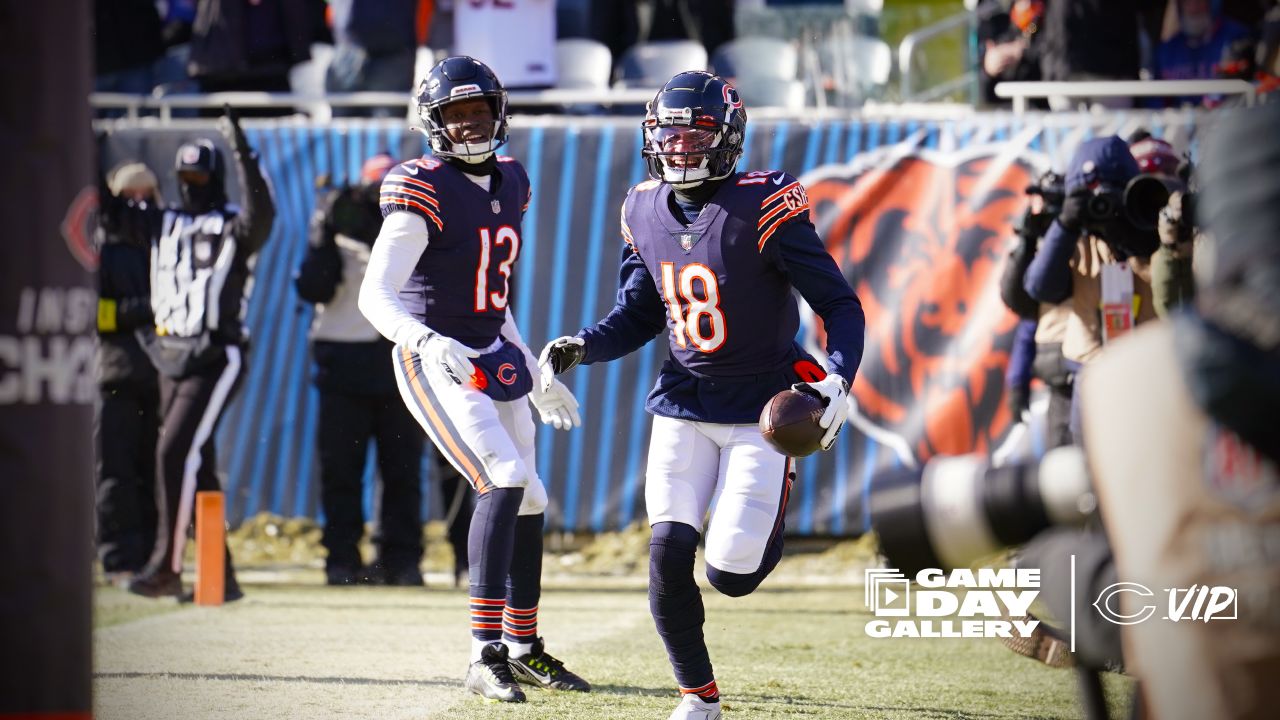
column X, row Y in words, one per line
column 471, row 127
column 684, row 152
column 693, row 131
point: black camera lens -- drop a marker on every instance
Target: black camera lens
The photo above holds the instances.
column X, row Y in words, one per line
column 1144, row 197
column 1103, row 207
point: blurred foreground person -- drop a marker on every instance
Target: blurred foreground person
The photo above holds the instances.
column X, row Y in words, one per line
column 1181, row 430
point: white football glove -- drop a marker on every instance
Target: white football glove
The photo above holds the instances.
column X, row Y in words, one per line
column 556, row 406
column 558, row 356
column 448, row 357
column 835, row 393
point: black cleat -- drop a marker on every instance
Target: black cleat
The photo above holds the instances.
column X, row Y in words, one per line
column 541, row 669
column 158, row 584
column 490, row 676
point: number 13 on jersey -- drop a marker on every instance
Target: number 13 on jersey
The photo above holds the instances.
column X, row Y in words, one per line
column 692, row 295
column 497, row 299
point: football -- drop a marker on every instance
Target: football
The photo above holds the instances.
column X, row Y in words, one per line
column 789, row 422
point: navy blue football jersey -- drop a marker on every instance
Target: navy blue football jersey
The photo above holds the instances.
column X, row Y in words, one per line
column 730, row 310
column 721, row 285
column 459, row 287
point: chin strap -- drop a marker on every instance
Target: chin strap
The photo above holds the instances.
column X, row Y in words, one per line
column 487, row 166
column 699, row 192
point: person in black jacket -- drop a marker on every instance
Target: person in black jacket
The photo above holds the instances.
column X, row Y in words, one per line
column 359, row 401
column 239, row 45
column 1096, row 40
column 201, row 275
column 127, row 422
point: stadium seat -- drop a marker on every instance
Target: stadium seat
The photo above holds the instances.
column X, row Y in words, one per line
column 307, row 78
column 582, row 64
column 857, row 67
column 760, row 92
column 755, row 57
column 649, row 65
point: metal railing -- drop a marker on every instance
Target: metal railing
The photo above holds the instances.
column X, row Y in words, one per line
column 911, row 45
column 1019, row 92
column 135, row 105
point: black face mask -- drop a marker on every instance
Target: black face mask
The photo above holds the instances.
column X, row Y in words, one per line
column 199, row 199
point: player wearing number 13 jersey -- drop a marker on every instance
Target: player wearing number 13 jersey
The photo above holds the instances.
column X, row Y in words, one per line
column 712, row 256
column 438, row 285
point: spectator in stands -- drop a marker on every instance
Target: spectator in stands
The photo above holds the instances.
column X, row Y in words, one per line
column 127, row 419
column 616, row 23
column 1100, row 263
column 1096, row 40
column 1204, row 43
column 1010, row 43
column 709, row 22
column 249, row 44
column 375, row 48
column 127, row 43
column 359, row 400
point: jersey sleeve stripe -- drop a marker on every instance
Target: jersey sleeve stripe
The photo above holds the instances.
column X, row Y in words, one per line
column 779, row 194
column 412, row 181
column 764, row 219
column 407, row 191
column 779, row 223
column 396, row 200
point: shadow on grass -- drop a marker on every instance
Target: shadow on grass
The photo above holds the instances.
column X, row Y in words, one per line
column 799, row 702
column 252, row 677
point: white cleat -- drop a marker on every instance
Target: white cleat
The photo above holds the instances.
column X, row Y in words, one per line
column 692, row 707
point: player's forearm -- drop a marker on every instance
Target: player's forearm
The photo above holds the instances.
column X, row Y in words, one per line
column 257, row 207
column 400, row 244
column 818, row 279
column 620, row 333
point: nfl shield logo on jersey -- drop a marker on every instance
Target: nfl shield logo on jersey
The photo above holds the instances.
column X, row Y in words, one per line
column 496, row 207
column 688, row 240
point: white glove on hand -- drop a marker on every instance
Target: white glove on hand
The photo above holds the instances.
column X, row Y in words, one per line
column 447, row 356
column 559, row 356
column 556, row 406
column 834, row 391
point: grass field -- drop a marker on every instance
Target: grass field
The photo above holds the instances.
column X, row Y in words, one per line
column 295, row 649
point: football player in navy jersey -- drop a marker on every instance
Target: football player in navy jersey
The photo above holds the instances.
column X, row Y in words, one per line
column 437, row 285
column 712, row 255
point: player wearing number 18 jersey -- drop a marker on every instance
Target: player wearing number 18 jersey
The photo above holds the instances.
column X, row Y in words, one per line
column 437, row 285
column 712, row 256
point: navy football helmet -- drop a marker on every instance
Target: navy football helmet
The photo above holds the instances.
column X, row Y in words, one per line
column 451, row 80
column 693, row 130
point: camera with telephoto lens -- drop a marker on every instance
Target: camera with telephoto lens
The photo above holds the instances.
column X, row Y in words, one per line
column 959, row 509
column 1052, row 191
column 1139, row 202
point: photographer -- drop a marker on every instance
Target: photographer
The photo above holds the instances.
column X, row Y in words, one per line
column 1096, row 253
column 1180, row 424
column 201, row 273
column 1037, row 350
column 1171, row 281
column 359, row 402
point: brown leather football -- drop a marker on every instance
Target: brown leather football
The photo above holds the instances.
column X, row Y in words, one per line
column 789, row 422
